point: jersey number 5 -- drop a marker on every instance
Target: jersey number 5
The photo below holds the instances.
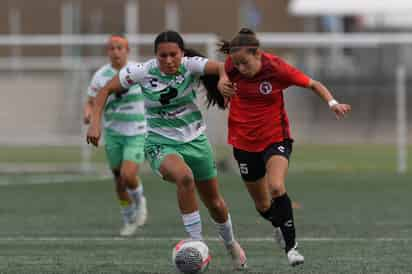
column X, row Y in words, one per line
column 167, row 96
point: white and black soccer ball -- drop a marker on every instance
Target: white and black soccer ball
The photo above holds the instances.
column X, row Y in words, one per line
column 191, row 256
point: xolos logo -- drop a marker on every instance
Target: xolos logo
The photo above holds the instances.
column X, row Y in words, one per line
column 265, row 87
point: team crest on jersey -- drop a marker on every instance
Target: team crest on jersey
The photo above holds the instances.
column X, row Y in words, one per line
column 265, row 87
column 180, row 79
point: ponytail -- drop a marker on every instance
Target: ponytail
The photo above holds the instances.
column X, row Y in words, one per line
column 224, row 46
column 213, row 96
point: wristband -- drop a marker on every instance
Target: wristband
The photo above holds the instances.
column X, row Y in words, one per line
column 332, row 103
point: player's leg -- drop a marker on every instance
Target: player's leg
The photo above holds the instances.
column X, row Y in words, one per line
column 133, row 157
column 252, row 169
column 114, row 154
column 121, row 191
column 277, row 162
column 214, row 202
column 198, row 154
column 168, row 163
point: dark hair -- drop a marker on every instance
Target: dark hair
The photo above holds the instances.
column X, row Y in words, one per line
column 169, row 36
column 245, row 38
column 213, row 96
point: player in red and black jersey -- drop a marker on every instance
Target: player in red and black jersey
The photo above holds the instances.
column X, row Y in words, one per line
column 259, row 128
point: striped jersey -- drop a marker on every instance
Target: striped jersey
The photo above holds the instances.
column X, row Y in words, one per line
column 124, row 113
column 171, row 112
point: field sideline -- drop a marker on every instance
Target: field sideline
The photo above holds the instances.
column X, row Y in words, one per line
column 349, row 158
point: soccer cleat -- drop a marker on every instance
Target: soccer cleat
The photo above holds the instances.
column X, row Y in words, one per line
column 278, row 236
column 129, row 228
column 141, row 212
column 238, row 255
column 294, row 257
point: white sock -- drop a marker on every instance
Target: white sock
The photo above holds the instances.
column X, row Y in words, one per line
column 136, row 194
column 128, row 212
column 193, row 225
column 226, row 231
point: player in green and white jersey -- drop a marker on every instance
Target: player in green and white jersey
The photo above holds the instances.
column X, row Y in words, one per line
column 124, row 130
column 176, row 145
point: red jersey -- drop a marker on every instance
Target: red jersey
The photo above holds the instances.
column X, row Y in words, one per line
column 257, row 115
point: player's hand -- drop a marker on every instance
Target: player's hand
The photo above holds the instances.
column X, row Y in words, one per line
column 341, row 110
column 93, row 135
column 226, row 88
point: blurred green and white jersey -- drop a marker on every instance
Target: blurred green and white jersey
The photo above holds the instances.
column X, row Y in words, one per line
column 123, row 114
column 171, row 112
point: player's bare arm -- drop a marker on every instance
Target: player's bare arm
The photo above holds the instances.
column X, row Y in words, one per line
column 339, row 109
column 225, row 87
column 94, row 131
column 87, row 110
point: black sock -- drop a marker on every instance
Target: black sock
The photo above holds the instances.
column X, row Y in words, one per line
column 284, row 211
column 267, row 214
column 280, row 215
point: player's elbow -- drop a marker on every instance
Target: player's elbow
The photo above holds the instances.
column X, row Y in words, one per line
column 313, row 84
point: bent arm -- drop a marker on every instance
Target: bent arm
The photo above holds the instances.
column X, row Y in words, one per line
column 216, row 68
column 113, row 86
column 320, row 90
column 226, row 88
column 339, row 109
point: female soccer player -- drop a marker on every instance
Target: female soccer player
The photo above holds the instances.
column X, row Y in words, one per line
column 124, row 130
column 176, row 145
column 259, row 128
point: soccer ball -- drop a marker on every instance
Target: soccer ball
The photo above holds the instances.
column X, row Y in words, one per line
column 191, row 256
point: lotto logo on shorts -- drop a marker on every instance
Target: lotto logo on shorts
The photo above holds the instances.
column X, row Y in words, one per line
column 281, row 149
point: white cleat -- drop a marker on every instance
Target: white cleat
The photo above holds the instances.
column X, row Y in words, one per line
column 294, row 257
column 277, row 235
column 129, row 229
column 141, row 212
column 238, row 255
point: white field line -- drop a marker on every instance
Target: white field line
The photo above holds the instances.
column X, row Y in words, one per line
column 211, row 239
column 50, row 179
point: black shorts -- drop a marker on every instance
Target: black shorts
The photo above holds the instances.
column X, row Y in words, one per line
column 252, row 165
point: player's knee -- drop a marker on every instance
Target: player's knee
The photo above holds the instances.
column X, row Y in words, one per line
column 216, row 205
column 128, row 177
column 186, row 182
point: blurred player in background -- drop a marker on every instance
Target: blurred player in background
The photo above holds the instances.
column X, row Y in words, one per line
column 176, row 145
column 124, row 132
column 259, row 128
